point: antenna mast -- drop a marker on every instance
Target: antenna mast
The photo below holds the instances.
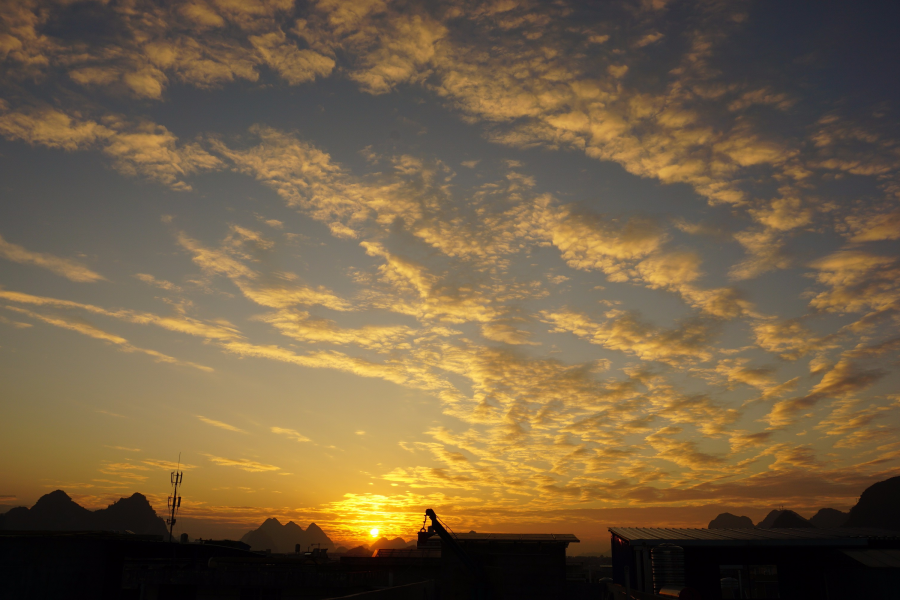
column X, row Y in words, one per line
column 174, row 499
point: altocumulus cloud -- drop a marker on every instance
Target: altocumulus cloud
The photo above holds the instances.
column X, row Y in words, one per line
column 663, row 360
column 66, row 267
column 243, row 464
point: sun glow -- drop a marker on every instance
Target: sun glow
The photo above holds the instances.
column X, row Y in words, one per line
column 374, row 532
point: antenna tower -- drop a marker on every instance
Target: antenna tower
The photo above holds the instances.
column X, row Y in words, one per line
column 174, row 499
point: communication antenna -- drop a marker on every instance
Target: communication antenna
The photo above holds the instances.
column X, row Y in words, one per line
column 174, row 499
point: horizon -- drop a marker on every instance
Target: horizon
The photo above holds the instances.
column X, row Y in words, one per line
column 593, row 545
column 540, row 267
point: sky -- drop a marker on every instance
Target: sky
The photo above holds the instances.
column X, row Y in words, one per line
column 541, row 266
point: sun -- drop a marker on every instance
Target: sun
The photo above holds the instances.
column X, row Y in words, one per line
column 374, row 532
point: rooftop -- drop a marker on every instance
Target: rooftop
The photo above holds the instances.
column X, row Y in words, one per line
column 517, row 537
column 651, row 536
column 884, row 559
column 406, row 553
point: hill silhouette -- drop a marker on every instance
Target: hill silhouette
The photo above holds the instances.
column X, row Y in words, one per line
column 274, row 536
column 789, row 518
column 783, row 518
column 769, row 520
column 730, row 521
column 829, row 517
column 382, row 542
column 56, row 511
column 878, row 506
column 359, row 551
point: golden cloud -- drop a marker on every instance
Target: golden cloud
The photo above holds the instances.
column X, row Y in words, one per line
column 66, row 267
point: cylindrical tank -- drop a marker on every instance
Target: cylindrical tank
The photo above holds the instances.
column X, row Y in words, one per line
column 668, row 566
column 731, row 588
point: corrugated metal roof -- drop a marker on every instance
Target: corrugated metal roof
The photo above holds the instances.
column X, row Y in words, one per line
column 883, row 559
column 517, row 537
column 406, row 553
column 755, row 536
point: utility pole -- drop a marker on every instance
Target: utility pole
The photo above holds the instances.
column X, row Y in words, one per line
column 174, row 499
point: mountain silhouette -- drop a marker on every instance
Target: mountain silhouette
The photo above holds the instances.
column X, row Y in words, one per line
column 877, row 506
column 56, row 511
column 769, row 520
column 315, row 535
column 359, row 551
column 131, row 514
column 383, row 542
column 271, row 535
column 829, row 517
column 274, row 536
column 789, row 518
column 730, row 521
column 783, row 518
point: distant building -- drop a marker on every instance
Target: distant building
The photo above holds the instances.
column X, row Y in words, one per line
column 800, row 564
column 90, row 565
column 402, row 566
column 515, row 565
column 108, row 566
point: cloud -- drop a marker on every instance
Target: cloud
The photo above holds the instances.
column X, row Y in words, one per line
column 291, row 433
column 83, row 327
column 274, row 289
column 742, row 441
column 873, row 226
column 167, row 465
column 215, row 331
column 294, row 65
column 592, row 242
column 783, row 214
column 617, row 70
column 681, row 452
column 242, row 463
column 735, row 371
column 188, row 43
column 111, row 414
column 789, row 339
column 16, row 324
column 220, row 424
column 671, row 131
column 650, row 38
column 845, row 378
column 855, row 423
column 764, row 249
column 68, row 268
column 390, row 48
column 124, row 470
column 300, row 326
column 858, row 281
column 624, row 331
column 762, row 96
column 461, row 268
column 793, row 458
column 160, row 283
column 51, row 128
column 136, row 149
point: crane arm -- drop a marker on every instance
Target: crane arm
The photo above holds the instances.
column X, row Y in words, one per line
column 451, row 543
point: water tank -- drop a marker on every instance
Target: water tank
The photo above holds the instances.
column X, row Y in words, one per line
column 731, row 588
column 668, row 566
